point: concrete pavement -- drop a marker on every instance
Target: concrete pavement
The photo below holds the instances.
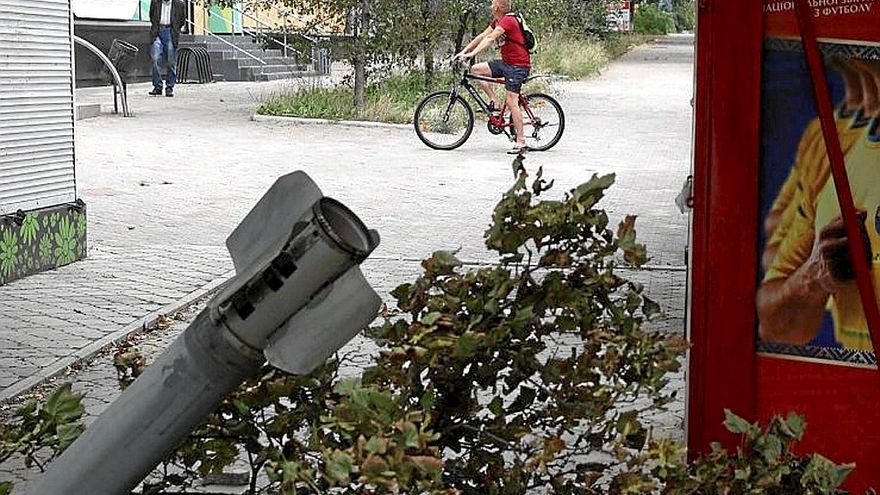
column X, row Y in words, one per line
column 166, row 187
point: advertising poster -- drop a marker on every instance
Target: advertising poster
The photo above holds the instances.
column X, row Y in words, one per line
column 619, row 16
column 807, row 299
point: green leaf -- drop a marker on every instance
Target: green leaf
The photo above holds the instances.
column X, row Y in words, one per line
column 427, row 400
column 63, row 406
column 340, row 467
column 67, row 434
column 496, row 407
column 467, row 345
column 736, row 424
column 241, row 407
column 6, row 487
column 591, row 191
column 824, row 474
column 376, row 445
column 796, row 425
column 410, row 435
column 431, row 318
column 347, row 386
column 524, row 317
column 772, row 449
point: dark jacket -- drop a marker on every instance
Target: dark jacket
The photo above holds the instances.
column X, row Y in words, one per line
column 178, row 17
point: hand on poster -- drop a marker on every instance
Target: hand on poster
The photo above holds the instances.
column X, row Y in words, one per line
column 830, row 261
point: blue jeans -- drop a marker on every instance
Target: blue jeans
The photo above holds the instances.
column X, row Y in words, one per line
column 161, row 50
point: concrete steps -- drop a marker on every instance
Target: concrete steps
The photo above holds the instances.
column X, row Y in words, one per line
column 230, row 64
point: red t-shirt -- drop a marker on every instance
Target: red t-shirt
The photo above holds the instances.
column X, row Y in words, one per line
column 513, row 49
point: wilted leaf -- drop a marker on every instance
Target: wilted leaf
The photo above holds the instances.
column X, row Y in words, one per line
column 426, row 464
column 651, row 309
column 441, row 263
column 634, row 253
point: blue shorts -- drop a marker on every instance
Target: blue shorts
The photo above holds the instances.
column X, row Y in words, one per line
column 514, row 75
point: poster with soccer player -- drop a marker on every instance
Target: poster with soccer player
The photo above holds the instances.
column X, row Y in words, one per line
column 807, row 299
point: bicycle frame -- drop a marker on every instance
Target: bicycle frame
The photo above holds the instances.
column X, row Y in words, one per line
column 498, row 119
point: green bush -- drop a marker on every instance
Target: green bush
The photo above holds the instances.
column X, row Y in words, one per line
column 649, row 19
column 684, row 13
column 764, row 463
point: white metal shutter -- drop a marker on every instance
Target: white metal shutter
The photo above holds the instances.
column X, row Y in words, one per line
column 36, row 105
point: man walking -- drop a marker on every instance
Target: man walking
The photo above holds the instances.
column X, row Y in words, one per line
column 514, row 65
column 166, row 19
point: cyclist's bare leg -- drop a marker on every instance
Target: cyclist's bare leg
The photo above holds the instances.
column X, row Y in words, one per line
column 482, row 69
column 516, row 116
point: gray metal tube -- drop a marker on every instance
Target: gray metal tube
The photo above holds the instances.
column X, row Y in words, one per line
column 220, row 349
column 92, row 48
column 154, row 414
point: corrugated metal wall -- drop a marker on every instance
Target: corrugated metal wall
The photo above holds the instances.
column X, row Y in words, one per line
column 36, row 105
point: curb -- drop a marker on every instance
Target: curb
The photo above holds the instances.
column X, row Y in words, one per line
column 347, row 123
column 90, row 351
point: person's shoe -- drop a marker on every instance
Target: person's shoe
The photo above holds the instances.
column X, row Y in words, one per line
column 518, row 149
column 155, row 92
column 169, row 92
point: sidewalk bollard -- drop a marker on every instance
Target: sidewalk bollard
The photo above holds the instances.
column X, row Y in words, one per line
column 297, row 297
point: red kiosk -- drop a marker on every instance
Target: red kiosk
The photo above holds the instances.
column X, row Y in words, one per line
column 787, row 141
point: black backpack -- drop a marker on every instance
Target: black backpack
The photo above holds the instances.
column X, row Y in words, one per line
column 531, row 43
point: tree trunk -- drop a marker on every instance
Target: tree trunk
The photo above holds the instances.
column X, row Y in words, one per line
column 360, row 59
column 428, row 51
column 360, row 81
column 461, row 31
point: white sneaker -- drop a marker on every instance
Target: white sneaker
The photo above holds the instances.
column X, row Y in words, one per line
column 518, row 149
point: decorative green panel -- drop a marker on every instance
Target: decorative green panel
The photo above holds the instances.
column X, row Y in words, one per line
column 41, row 240
column 225, row 20
column 144, row 12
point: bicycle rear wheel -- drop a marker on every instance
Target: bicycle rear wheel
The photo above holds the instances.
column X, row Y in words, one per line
column 543, row 122
column 443, row 122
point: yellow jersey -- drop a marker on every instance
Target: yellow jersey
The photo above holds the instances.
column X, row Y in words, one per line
column 809, row 169
column 862, row 166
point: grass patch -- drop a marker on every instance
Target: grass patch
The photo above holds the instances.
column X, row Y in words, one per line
column 582, row 58
column 393, row 100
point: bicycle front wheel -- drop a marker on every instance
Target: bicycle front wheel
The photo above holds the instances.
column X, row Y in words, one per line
column 444, row 122
column 543, row 122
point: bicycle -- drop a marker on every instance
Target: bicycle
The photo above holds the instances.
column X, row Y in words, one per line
column 446, row 115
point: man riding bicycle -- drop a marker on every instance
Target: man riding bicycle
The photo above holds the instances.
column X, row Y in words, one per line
column 514, row 65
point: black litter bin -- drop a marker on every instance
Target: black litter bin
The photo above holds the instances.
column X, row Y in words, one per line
column 122, row 54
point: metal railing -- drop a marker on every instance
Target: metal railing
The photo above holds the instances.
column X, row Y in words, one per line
column 271, row 29
column 265, row 34
column 118, row 80
column 218, row 38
